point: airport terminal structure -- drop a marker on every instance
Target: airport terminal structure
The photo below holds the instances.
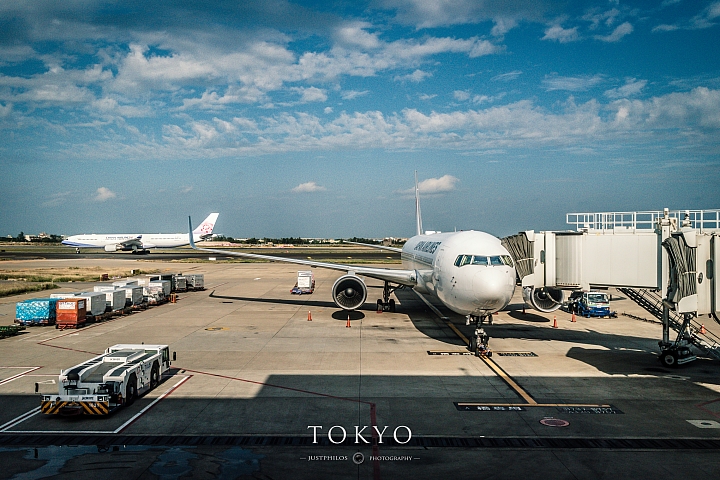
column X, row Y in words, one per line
column 269, row 384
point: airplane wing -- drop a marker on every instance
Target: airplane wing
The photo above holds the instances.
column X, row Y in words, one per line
column 379, row 247
column 402, row 277
column 133, row 242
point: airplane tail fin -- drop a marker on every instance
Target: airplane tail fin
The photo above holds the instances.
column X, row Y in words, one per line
column 418, row 216
column 206, row 227
column 190, row 233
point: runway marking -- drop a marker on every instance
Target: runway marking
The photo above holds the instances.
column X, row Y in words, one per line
column 29, row 414
column 15, row 377
column 501, row 373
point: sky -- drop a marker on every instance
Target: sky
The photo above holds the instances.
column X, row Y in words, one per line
column 310, row 118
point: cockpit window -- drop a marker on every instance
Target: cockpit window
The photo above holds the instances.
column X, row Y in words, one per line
column 497, row 260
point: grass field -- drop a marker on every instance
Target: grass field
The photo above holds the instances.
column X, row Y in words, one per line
column 68, row 274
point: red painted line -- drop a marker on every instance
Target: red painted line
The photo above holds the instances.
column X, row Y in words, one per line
column 701, row 406
column 373, row 408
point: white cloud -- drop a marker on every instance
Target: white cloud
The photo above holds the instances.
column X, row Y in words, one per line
column 308, row 187
column 560, row 34
column 427, row 96
column 572, row 84
column 416, row 76
column 311, row 94
column 327, row 110
column 632, row 87
column 354, row 34
column 444, row 184
column 506, row 77
column 103, row 194
column 617, row 34
column 461, row 95
column 186, row 189
column 351, row 94
column 705, row 19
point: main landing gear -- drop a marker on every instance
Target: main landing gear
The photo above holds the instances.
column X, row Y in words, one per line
column 387, row 304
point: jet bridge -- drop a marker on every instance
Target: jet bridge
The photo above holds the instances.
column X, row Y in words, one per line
column 666, row 261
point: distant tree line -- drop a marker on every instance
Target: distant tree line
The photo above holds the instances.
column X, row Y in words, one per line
column 289, row 240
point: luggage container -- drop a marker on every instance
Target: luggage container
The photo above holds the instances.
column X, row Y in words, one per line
column 153, row 295
column 170, row 277
column 104, row 288
column 164, row 284
column 124, row 283
column 96, row 302
column 196, row 281
column 71, row 312
column 180, row 283
column 133, row 294
column 115, row 299
column 36, row 311
column 305, row 283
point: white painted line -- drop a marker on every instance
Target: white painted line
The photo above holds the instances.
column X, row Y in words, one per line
column 705, row 423
column 20, row 419
column 36, row 410
column 14, row 377
column 167, row 392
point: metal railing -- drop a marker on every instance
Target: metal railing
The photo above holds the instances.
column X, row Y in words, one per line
column 629, row 222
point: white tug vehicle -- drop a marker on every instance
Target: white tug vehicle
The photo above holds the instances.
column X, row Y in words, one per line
column 108, row 381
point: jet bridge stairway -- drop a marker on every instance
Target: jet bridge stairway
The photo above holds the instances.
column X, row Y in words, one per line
column 653, row 304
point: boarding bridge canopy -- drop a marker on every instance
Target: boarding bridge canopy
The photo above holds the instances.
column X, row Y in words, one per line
column 675, row 252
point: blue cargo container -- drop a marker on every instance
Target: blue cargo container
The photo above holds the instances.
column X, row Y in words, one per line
column 36, row 311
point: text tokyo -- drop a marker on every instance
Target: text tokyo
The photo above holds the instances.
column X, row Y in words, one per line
column 337, row 434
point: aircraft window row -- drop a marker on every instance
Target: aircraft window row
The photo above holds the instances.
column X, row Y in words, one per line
column 496, row 260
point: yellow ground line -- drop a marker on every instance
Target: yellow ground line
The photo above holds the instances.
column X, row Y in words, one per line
column 501, row 373
column 458, row 333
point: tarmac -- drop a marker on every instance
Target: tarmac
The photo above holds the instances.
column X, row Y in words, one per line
column 273, row 385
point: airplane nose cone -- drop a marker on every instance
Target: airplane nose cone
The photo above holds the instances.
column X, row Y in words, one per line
column 493, row 288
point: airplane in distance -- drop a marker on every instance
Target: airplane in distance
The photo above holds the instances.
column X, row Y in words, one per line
column 470, row 272
column 140, row 243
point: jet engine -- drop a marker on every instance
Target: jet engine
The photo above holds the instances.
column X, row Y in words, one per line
column 349, row 292
column 543, row 299
column 111, row 248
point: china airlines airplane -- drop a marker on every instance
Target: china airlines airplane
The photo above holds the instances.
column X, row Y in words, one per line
column 140, row 243
column 470, row 272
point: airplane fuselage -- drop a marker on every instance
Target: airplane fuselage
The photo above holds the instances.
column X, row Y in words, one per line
column 469, row 272
column 157, row 240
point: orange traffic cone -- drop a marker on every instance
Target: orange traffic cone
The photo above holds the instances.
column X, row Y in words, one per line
column 555, row 321
column 309, row 316
column 348, row 322
column 702, row 329
column 573, row 318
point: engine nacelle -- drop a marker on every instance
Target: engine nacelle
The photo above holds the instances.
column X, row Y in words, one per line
column 111, row 248
column 543, row 299
column 349, row 292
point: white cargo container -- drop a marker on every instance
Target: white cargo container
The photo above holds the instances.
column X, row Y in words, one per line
column 96, row 302
column 305, row 279
column 196, row 281
column 180, row 283
column 115, row 299
column 124, row 283
column 153, row 295
column 104, row 288
column 165, row 284
column 133, row 293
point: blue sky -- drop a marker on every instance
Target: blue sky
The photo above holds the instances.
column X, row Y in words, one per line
column 309, row 118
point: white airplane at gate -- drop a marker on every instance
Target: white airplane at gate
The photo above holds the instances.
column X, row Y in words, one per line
column 470, row 272
column 140, row 243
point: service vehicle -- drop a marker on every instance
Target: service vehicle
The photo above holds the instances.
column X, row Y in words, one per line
column 590, row 304
column 109, row 381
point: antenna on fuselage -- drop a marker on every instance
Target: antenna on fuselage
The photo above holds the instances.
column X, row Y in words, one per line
column 418, row 216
